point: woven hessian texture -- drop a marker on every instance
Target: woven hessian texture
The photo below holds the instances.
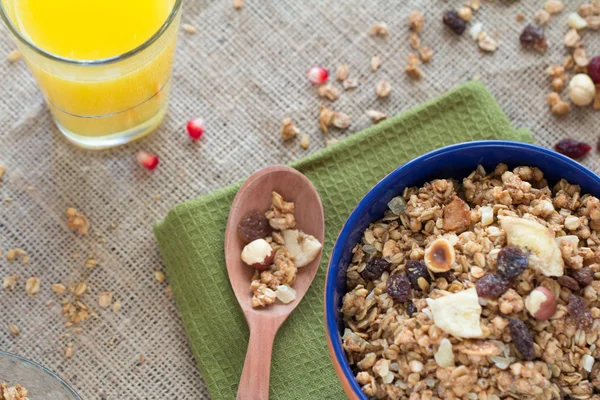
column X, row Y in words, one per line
column 243, row 72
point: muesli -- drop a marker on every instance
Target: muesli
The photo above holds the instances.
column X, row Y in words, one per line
column 484, row 289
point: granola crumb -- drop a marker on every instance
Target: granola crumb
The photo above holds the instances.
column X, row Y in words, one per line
column 542, row 17
column 486, row 43
column 10, row 282
column 116, row 306
column 187, row 28
column 414, row 40
column 554, row 6
column 77, row 222
column 104, row 299
column 304, row 141
column 16, row 392
column 350, row 84
column 375, row 63
column 59, row 288
column 325, row 118
column 413, row 71
column 288, row 129
column 14, row 56
column 69, row 351
column 17, row 254
column 169, row 291
column 426, row 54
column 342, row 72
column 238, row 4
column 329, row 92
column 376, row 116
column 383, row 88
column 91, row 262
column 465, row 13
column 160, row 276
column 561, row 108
column 32, row 286
column 520, row 17
column 380, row 29
column 2, row 172
column 416, row 20
column 14, row 330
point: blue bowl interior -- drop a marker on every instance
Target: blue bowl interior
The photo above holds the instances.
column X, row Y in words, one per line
column 457, row 162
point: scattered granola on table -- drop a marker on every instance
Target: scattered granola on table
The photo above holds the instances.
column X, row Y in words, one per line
column 16, row 392
column 485, row 288
column 77, row 222
column 275, row 249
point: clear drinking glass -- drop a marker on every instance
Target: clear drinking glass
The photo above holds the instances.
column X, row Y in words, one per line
column 104, row 103
column 41, row 383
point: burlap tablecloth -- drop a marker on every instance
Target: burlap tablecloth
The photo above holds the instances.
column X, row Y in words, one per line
column 243, row 72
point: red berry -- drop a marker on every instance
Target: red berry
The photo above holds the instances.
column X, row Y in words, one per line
column 572, row 148
column 317, row 75
column 594, row 70
column 195, row 128
column 147, row 160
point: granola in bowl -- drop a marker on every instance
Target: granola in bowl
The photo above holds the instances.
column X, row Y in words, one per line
column 16, row 392
column 480, row 289
column 275, row 249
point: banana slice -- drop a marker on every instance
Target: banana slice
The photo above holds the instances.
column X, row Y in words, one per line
column 303, row 247
column 458, row 314
column 537, row 238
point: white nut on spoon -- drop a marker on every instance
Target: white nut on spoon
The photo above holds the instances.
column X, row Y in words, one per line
column 258, row 254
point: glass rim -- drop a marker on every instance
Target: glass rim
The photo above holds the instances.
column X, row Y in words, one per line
column 103, row 61
column 41, row 368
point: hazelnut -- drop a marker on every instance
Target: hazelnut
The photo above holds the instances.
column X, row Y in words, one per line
column 582, row 90
column 541, row 303
column 439, row 256
column 258, row 254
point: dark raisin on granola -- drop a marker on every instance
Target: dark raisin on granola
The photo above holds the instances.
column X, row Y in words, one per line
column 512, row 261
column 375, row 268
column 521, row 338
column 417, row 270
column 584, row 276
column 455, row 22
column 410, row 308
column 579, row 311
column 448, row 276
column 254, row 225
column 492, row 286
column 568, row 282
column 398, row 288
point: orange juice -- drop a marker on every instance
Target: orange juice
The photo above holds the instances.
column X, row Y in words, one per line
column 104, row 65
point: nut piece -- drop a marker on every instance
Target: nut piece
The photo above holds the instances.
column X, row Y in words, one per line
column 465, row 13
column 457, row 215
column 342, row 72
column 376, row 116
column 258, row 254
column 576, row 21
column 383, row 88
column 582, row 90
column 440, row 256
column 542, row 17
column 288, row 129
column 554, row 6
column 444, row 356
column 541, row 303
column 328, row 92
column 285, row 293
column 303, row 247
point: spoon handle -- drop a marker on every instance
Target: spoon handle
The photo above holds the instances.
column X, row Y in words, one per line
column 254, row 383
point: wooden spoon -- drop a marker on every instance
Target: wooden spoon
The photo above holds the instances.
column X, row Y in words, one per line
column 255, row 194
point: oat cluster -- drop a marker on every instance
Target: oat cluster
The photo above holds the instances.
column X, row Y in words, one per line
column 483, row 289
column 16, row 392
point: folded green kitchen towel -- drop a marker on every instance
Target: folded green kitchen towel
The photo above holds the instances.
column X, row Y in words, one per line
column 191, row 242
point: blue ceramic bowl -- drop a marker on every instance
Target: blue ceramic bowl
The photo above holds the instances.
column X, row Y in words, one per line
column 455, row 161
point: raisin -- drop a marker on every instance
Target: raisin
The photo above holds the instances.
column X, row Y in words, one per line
column 533, row 37
column 512, row 261
column 410, row 308
column 593, row 70
column 416, row 270
column 572, row 148
column 455, row 22
column 375, row 268
column 584, row 276
column 254, row 225
column 579, row 311
column 521, row 338
column 568, row 282
column 448, row 276
column 492, row 286
column 398, row 287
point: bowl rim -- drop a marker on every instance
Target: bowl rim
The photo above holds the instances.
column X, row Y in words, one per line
column 49, row 372
column 336, row 351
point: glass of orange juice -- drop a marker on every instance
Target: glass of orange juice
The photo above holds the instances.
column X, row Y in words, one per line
column 103, row 66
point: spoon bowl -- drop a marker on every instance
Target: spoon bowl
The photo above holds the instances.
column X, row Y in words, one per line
column 255, row 195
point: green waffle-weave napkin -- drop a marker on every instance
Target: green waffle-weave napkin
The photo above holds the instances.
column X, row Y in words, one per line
column 191, row 241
